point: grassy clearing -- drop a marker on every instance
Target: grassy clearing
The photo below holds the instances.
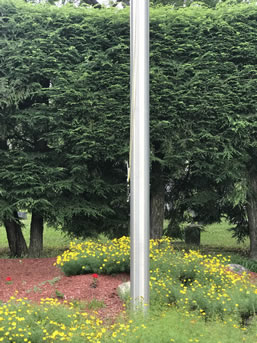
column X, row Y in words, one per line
column 218, row 235
column 179, row 327
column 55, row 241
column 215, row 237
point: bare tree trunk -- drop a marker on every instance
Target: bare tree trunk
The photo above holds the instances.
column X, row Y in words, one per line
column 251, row 208
column 16, row 241
column 36, row 235
column 157, row 202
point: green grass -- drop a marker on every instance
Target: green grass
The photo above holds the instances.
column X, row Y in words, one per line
column 218, row 235
column 55, row 241
column 217, row 238
column 214, row 238
column 179, row 327
column 52, row 322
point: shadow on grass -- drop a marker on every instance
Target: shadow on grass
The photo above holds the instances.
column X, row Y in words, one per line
column 211, row 249
column 47, row 252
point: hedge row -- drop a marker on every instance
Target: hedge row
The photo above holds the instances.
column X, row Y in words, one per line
column 65, row 103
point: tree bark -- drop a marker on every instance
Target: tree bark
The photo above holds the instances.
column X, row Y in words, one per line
column 157, row 202
column 16, row 241
column 251, row 208
column 36, row 235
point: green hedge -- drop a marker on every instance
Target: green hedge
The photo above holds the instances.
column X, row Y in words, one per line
column 65, row 79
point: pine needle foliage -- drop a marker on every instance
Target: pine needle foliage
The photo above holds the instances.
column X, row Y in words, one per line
column 65, row 106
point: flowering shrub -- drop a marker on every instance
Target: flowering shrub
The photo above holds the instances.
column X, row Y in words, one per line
column 52, row 322
column 109, row 257
column 21, row 321
column 188, row 288
column 202, row 283
column 96, row 257
column 189, row 280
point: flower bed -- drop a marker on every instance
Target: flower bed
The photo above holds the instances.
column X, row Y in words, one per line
column 188, row 280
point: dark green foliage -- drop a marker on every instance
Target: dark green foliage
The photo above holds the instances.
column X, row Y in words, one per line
column 59, row 157
column 92, row 265
column 212, row 106
column 184, row 3
column 65, row 110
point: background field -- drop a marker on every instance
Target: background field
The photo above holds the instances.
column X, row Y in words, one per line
column 55, row 241
column 219, row 235
column 214, row 237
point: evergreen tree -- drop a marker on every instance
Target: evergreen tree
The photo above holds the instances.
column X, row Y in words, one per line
column 65, row 107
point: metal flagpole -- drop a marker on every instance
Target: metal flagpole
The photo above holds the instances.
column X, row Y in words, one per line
column 139, row 182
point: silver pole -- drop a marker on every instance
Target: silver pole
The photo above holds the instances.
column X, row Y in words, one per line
column 139, row 184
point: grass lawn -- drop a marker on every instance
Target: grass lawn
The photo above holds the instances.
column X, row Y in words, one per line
column 215, row 237
column 218, row 235
column 55, row 241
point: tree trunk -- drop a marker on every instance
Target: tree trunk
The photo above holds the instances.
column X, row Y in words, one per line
column 16, row 241
column 251, row 208
column 157, row 202
column 36, row 235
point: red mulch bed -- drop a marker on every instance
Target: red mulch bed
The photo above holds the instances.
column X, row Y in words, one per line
column 29, row 279
column 39, row 278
